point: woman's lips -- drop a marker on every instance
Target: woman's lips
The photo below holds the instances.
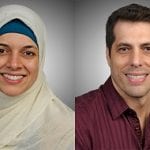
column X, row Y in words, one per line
column 12, row 78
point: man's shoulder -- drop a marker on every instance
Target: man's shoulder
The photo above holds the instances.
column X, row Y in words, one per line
column 88, row 98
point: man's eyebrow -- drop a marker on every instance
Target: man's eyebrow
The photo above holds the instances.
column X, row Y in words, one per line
column 123, row 44
column 127, row 44
column 146, row 44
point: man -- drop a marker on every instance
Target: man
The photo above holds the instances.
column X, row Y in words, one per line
column 117, row 115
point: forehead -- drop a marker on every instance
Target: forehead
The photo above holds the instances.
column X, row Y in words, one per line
column 16, row 39
column 131, row 26
column 132, row 31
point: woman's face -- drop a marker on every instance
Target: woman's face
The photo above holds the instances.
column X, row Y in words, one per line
column 19, row 63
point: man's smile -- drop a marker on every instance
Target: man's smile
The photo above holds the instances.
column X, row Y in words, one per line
column 136, row 78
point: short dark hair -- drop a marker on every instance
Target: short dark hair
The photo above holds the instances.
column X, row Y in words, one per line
column 132, row 12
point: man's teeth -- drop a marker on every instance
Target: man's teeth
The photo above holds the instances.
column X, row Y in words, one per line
column 13, row 77
column 136, row 76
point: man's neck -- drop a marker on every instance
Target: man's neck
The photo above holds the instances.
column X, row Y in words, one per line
column 141, row 107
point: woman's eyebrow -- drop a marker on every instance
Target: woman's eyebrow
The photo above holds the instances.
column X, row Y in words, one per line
column 5, row 45
column 30, row 47
column 26, row 46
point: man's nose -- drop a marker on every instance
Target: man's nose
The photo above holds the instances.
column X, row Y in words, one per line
column 136, row 58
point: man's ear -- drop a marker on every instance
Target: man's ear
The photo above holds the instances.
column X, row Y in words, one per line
column 108, row 56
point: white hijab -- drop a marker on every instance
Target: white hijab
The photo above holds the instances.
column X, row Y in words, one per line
column 36, row 119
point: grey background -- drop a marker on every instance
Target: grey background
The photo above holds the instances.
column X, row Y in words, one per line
column 59, row 65
column 91, row 68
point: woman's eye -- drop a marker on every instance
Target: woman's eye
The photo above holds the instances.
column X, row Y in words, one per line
column 29, row 53
column 3, row 51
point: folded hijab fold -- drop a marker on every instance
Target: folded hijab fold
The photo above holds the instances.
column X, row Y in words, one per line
column 36, row 119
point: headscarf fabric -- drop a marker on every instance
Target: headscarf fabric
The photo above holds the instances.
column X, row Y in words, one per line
column 36, row 119
column 17, row 26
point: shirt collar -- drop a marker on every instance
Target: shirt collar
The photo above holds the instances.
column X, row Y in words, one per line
column 116, row 104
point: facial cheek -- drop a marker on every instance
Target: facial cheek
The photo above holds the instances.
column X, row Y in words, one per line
column 33, row 68
column 3, row 61
column 147, row 61
column 35, row 73
column 118, row 66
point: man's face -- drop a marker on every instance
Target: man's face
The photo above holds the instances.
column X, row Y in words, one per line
column 18, row 63
column 129, row 60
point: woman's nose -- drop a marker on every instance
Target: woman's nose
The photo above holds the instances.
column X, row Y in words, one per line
column 14, row 62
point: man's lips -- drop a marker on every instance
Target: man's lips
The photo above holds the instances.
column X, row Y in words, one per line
column 136, row 78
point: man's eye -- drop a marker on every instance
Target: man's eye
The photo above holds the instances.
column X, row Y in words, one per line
column 147, row 49
column 123, row 50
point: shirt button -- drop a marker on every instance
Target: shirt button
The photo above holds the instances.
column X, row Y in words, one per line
column 137, row 128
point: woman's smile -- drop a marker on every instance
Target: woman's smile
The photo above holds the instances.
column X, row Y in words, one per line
column 13, row 78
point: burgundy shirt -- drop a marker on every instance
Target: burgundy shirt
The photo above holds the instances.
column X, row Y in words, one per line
column 105, row 122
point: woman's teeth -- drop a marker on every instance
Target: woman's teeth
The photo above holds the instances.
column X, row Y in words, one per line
column 13, row 77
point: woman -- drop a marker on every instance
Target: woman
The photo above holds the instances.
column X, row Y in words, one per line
column 31, row 116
